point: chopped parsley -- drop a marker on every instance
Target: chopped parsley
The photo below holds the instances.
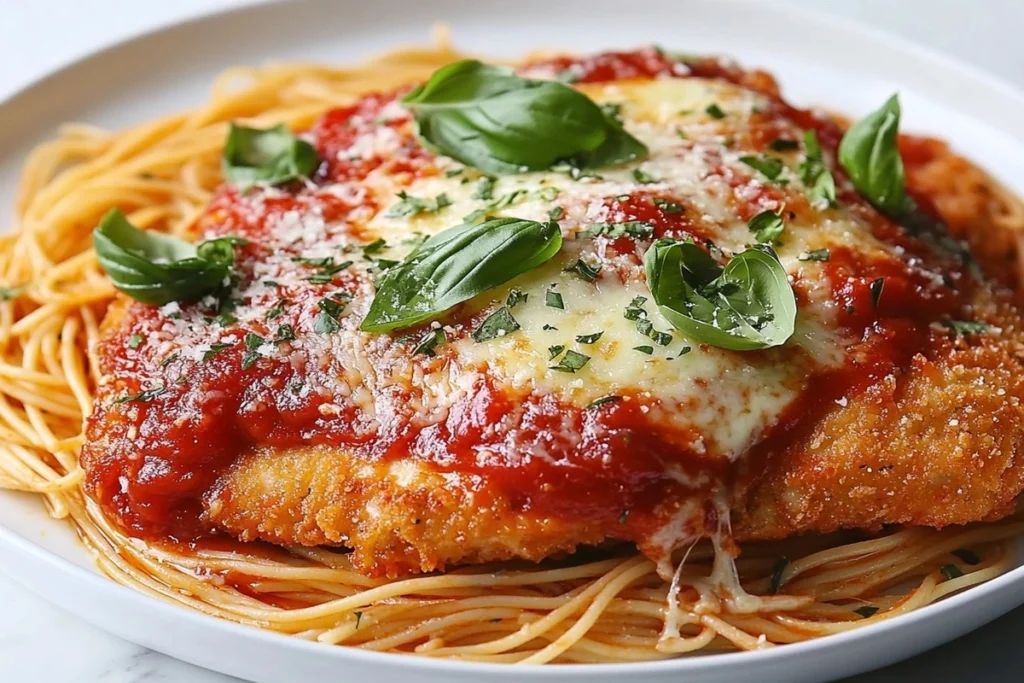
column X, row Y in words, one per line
column 683, row 351
column 556, row 213
column 667, row 205
column 497, row 324
column 327, row 320
column 951, row 571
column 408, row 205
column 329, row 269
column 635, row 309
column 428, row 342
column 640, row 229
column 277, row 310
column 214, row 350
column 549, row 328
column 555, row 351
column 358, row 614
column 451, row 173
column 876, row 290
column 767, row 226
column 814, row 174
column 775, row 583
column 644, row 349
column 571, row 362
column 285, row 332
column 252, row 342
column 603, row 401
column 147, row 395
column 769, row 167
column 643, row 177
column 646, row 328
column 866, row 611
column 484, row 189
column 589, row 338
column 966, row 326
column 714, row 111
column 135, row 341
column 814, row 255
column 516, row 296
column 374, row 247
column 553, row 299
column 584, row 270
column 783, row 145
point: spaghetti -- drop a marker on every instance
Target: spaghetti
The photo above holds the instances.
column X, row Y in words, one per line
column 613, row 607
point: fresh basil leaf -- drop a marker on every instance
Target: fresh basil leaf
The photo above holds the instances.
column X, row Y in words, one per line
column 747, row 305
column 814, row 173
column 274, row 155
column 767, row 226
column 156, row 269
column 870, row 155
column 489, row 118
column 457, row 264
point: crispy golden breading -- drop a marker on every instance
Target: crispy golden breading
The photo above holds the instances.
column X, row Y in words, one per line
column 399, row 519
column 937, row 445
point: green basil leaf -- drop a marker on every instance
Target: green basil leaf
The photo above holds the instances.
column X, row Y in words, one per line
column 871, row 158
column 457, row 264
column 273, row 155
column 489, row 118
column 747, row 305
column 157, row 269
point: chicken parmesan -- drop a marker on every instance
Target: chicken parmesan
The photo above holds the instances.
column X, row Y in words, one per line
column 591, row 304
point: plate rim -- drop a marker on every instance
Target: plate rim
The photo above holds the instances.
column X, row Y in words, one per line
column 13, row 542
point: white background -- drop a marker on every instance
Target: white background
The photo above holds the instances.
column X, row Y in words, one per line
column 42, row 644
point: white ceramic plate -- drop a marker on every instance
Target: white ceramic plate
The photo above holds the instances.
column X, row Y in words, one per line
column 819, row 61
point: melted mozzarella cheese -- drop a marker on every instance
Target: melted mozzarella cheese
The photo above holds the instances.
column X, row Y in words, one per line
column 725, row 399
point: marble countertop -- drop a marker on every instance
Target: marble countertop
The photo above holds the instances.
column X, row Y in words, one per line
column 43, row 644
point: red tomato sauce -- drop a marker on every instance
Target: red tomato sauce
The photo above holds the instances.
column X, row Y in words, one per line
column 150, row 462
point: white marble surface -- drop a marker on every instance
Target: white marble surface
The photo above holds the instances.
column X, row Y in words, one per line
column 42, row 644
